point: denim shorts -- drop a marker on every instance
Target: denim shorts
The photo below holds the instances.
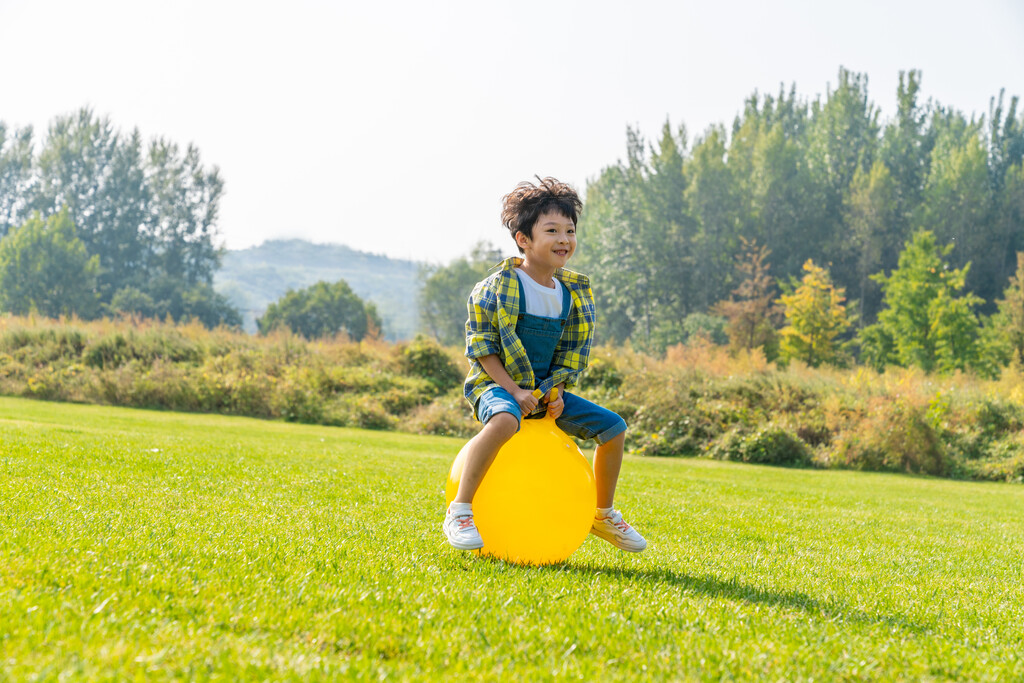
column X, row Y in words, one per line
column 579, row 418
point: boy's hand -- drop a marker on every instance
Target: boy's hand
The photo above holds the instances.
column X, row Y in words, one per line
column 556, row 407
column 553, row 401
column 526, row 400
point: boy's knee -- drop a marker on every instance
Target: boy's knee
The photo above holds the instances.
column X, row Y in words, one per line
column 503, row 425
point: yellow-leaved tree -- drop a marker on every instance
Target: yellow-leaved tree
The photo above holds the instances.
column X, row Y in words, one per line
column 815, row 317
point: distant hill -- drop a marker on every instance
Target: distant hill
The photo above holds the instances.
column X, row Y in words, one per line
column 255, row 277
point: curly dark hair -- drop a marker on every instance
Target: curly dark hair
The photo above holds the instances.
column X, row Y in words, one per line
column 528, row 202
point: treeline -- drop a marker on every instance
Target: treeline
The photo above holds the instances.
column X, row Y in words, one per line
column 95, row 221
column 822, row 181
column 98, row 223
column 785, row 232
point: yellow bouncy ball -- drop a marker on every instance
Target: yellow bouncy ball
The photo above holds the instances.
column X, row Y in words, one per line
column 536, row 503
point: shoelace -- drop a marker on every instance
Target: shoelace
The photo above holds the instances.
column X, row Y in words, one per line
column 465, row 523
column 621, row 524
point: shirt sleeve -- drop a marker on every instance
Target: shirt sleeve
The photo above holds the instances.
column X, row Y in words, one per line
column 482, row 336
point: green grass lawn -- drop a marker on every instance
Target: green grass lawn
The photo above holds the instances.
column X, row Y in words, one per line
column 141, row 545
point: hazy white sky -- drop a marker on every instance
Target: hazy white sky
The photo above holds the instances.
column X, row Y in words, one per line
column 396, row 127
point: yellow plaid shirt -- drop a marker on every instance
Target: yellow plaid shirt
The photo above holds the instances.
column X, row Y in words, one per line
column 494, row 308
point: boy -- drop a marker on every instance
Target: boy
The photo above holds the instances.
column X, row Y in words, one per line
column 530, row 328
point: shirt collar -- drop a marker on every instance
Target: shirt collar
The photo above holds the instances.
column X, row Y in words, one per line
column 569, row 277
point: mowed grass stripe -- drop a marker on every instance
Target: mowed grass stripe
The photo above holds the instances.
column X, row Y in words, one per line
column 138, row 544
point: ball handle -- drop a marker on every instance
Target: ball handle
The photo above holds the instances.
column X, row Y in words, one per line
column 538, row 394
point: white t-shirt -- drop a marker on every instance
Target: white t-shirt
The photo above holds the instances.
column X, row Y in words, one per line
column 540, row 300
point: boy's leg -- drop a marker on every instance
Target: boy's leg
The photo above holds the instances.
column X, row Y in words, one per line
column 481, row 451
column 607, row 464
column 587, row 420
column 495, row 410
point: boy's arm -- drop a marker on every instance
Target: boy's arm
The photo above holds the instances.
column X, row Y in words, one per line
column 483, row 344
column 482, row 337
column 493, row 366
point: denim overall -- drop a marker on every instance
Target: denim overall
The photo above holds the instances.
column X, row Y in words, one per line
column 540, row 335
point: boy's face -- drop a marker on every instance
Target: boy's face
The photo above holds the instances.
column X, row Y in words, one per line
column 553, row 242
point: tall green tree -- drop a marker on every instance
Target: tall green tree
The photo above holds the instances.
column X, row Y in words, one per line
column 777, row 195
column 444, row 291
column 815, row 318
column 185, row 201
column 905, row 149
column 927, row 321
column 1006, row 180
column 44, row 268
column 149, row 214
column 870, row 211
column 713, row 197
column 74, row 169
column 15, row 176
column 636, row 239
column 322, row 310
column 842, row 138
column 957, row 203
column 1009, row 321
column 601, row 227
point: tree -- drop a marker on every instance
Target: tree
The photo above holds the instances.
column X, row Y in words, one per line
column 444, row 291
column 712, row 195
column 870, row 210
column 184, row 204
column 776, row 189
column 636, row 239
column 816, row 317
column 842, row 138
column 44, row 268
column 751, row 311
column 925, row 322
column 957, row 204
column 821, row 181
column 321, row 310
column 601, row 226
column 15, row 176
column 74, row 169
column 905, row 149
column 1010, row 320
column 148, row 214
column 200, row 302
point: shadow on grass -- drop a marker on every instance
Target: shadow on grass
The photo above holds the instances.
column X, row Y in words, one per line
column 734, row 589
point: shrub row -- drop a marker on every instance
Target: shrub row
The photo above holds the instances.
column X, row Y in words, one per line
column 700, row 401
column 696, row 401
column 186, row 367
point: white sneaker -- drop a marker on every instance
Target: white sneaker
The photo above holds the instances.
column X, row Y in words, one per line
column 461, row 532
column 621, row 535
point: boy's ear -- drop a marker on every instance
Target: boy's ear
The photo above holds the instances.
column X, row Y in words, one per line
column 522, row 240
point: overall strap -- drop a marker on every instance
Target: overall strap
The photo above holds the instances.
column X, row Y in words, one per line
column 566, row 303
